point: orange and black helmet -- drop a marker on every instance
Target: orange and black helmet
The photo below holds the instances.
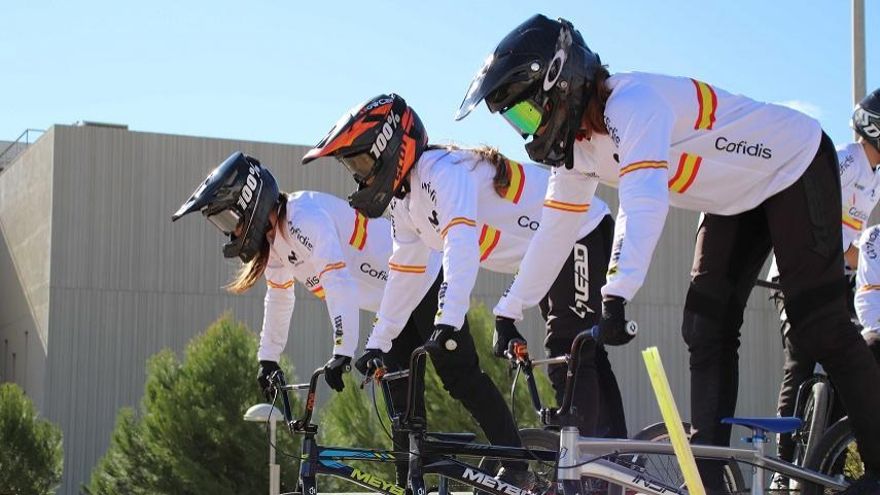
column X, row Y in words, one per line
column 379, row 141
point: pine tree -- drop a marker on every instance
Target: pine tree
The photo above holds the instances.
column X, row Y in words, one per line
column 31, row 456
column 189, row 436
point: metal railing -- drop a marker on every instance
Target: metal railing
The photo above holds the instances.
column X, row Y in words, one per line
column 25, row 139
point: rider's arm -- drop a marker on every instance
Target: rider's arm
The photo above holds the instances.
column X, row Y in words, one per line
column 277, row 311
column 867, row 300
column 404, row 289
column 643, row 123
column 566, row 203
column 457, row 212
column 329, row 260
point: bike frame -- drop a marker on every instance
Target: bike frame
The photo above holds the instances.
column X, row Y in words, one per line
column 317, row 459
column 602, row 458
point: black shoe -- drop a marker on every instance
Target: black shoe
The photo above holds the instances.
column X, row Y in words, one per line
column 524, row 480
column 869, row 484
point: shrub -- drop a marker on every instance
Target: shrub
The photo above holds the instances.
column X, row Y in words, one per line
column 31, row 457
column 189, row 436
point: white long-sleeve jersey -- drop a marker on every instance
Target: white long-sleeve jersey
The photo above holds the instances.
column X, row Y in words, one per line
column 453, row 208
column 341, row 256
column 868, row 280
column 858, row 188
column 675, row 140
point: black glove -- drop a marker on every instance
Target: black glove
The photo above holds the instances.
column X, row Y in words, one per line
column 873, row 341
column 366, row 365
column 263, row 374
column 333, row 370
column 505, row 335
column 613, row 327
column 443, row 339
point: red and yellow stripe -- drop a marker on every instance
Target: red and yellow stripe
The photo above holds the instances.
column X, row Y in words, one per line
column 331, row 267
column 517, row 176
column 318, row 291
column 632, row 167
column 869, row 287
column 407, row 268
column 359, row 233
column 708, row 103
column 561, row 205
column 489, row 237
column 457, row 221
column 853, row 223
column 688, row 167
column 279, row 285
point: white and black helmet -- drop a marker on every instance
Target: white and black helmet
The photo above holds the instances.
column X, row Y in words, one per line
column 238, row 191
column 866, row 118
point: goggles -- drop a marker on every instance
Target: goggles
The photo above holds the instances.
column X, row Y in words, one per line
column 225, row 220
column 360, row 165
column 525, row 117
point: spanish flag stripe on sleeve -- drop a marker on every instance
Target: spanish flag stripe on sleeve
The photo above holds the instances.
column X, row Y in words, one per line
column 560, row 205
column 866, row 288
column 688, row 167
column 280, row 285
column 457, row 221
column 489, row 238
column 331, row 267
column 707, row 102
column 407, row 268
column 517, row 176
column 318, row 291
column 632, row 167
column 359, row 233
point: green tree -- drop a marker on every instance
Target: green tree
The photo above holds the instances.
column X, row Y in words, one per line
column 31, row 457
column 189, row 436
column 350, row 418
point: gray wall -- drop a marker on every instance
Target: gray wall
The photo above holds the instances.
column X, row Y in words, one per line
column 25, row 228
column 126, row 282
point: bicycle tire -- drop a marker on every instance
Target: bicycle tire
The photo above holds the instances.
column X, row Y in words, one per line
column 665, row 467
column 815, row 417
column 834, row 456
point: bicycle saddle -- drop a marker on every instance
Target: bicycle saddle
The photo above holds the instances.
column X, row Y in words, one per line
column 773, row 425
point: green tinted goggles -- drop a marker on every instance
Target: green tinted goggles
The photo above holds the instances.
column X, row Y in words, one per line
column 525, row 117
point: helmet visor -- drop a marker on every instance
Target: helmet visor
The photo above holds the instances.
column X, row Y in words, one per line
column 226, row 221
column 525, row 117
column 360, row 165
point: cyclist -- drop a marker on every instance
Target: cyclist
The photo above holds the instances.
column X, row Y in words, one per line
column 312, row 238
column 766, row 175
column 859, row 182
column 479, row 209
column 868, row 288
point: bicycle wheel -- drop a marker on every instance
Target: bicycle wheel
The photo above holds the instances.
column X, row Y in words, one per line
column 835, row 455
column 665, row 467
column 815, row 416
column 545, row 472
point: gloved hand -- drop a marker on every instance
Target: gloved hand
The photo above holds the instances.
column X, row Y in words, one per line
column 366, row 365
column 263, row 373
column 873, row 341
column 613, row 324
column 333, row 370
column 443, row 339
column 505, row 335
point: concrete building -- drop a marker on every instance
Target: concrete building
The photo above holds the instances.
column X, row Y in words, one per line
column 95, row 279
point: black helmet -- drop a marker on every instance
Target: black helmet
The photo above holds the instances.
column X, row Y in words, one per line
column 238, row 191
column 538, row 78
column 866, row 118
column 379, row 141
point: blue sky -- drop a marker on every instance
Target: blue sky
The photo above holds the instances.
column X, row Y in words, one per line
column 284, row 71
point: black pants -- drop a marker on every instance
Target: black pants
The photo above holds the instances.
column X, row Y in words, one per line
column 573, row 304
column 802, row 225
column 797, row 369
column 460, row 372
